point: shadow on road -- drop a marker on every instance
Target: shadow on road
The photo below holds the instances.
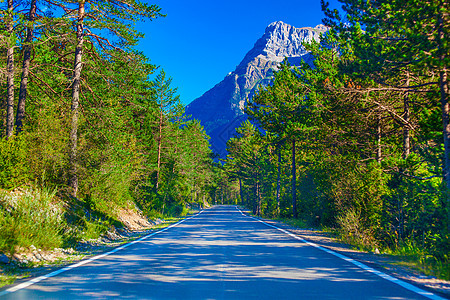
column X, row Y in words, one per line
column 219, row 254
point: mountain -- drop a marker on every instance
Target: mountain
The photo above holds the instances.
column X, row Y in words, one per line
column 220, row 109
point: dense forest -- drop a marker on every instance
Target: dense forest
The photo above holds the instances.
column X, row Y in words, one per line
column 360, row 140
column 89, row 126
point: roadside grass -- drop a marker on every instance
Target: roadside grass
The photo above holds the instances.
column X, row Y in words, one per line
column 7, row 279
column 416, row 258
column 10, row 273
column 427, row 266
column 28, row 217
column 94, row 229
column 406, row 253
column 298, row 223
column 437, row 267
column 153, row 215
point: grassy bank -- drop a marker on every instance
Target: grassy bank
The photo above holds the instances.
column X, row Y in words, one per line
column 31, row 216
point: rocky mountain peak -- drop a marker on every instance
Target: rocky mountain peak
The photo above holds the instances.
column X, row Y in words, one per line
column 282, row 40
column 221, row 108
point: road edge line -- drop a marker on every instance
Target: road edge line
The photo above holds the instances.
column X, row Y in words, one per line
column 33, row 281
column 360, row 265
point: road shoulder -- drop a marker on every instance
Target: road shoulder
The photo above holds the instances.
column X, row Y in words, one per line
column 382, row 262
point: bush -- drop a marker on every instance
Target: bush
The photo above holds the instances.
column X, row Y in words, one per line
column 352, row 232
column 12, row 162
column 176, row 210
column 30, row 217
column 94, row 229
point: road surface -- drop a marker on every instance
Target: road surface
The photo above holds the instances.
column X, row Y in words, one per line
column 217, row 254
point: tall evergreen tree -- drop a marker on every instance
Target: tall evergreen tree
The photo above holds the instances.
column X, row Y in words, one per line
column 114, row 17
column 10, row 41
column 169, row 108
column 278, row 109
column 27, row 48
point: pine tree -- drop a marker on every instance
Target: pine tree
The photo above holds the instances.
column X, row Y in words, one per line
column 169, row 106
column 278, row 109
column 27, row 48
column 10, row 43
column 100, row 16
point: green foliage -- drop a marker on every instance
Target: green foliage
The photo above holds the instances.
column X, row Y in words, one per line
column 246, row 161
column 298, row 223
column 354, row 233
column 94, row 229
column 6, row 279
column 12, row 162
column 416, row 256
column 134, row 147
column 30, row 217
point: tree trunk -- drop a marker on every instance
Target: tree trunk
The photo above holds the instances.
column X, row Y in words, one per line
column 407, row 116
column 159, row 146
column 20, row 114
column 248, row 197
column 294, row 183
column 278, row 180
column 405, row 154
column 444, row 91
column 258, row 200
column 10, row 72
column 240, row 192
column 446, row 132
column 445, row 124
column 254, row 206
column 379, row 153
column 73, row 179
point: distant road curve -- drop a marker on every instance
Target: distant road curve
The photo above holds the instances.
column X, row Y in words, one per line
column 219, row 253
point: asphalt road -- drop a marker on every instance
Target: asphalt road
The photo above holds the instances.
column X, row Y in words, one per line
column 218, row 254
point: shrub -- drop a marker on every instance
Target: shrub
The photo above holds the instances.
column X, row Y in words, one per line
column 352, row 232
column 93, row 229
column 176, row 210
column 12, row 162
column 30, row 217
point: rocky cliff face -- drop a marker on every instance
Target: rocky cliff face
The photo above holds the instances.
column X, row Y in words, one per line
column 220, row 109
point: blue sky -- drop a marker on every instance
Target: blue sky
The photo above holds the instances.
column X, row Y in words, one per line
column 201, row 41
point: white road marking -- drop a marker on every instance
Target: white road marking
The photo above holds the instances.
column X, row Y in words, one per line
column 397, row 281
column 83, row 262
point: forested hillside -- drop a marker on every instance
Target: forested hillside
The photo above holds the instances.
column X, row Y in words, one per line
column 360, row 140
column 88, row 125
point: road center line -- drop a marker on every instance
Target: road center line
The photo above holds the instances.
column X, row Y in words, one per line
column 83, row 262
column 397, row 281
